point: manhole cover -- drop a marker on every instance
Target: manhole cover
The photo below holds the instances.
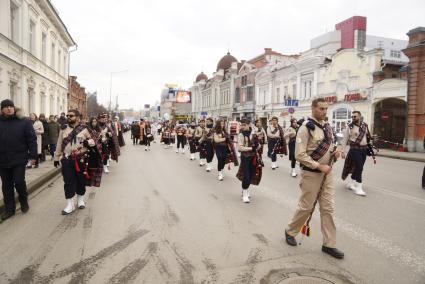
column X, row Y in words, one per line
column 305, row 280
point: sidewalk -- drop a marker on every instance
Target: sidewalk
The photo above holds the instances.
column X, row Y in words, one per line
column 35, row 178
column 409, row 156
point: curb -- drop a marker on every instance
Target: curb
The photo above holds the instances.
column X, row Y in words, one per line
column 413, row 159
column 36, row 184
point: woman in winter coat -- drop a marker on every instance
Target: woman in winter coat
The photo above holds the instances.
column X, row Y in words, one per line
column 39, row 130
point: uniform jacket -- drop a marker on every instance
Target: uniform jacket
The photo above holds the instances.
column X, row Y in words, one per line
column 306, row 142
column 72, row 147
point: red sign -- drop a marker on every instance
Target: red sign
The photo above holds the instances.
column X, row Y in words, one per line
column 354, row 97
column 385, row 116
column 331, row 99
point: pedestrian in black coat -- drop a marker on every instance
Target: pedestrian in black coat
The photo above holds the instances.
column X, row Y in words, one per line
column 18, row 144
column 423, row 172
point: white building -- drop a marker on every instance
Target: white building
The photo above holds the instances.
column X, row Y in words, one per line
column 34, row 56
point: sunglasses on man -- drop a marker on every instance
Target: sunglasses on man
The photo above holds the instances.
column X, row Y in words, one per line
column 70, row 115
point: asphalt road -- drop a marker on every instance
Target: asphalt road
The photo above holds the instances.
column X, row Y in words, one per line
column 160, row 218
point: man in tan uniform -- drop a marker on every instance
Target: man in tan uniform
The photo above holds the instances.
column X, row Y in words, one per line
column 314, row 151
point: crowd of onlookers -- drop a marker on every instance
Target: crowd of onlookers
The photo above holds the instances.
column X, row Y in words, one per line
column 47, row 131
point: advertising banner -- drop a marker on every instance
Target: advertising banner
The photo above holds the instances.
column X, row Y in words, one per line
column 183, row 97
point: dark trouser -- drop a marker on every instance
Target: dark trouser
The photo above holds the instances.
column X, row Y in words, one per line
column 192, row 146
column 210, row 152
column 52, row 149
column 293, row 162
column 147, row 141
column 221, row 152
column 180, row 141
column 73, row 182
column 270, row 153
column 135, row 140
column 12, row 178
column 423, row 178
column 248, row 171
column 359, row 158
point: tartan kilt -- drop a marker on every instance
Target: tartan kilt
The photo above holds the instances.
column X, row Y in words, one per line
column 192, row 146
column 281, row 149
column 256, row 178
column 203, row 150
column 231, row 157
column 95, row 175
column 349, row 166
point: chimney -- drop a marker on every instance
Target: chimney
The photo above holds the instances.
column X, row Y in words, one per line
column 267, row 50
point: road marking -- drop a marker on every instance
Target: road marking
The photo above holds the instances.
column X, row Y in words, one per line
column 396, row 194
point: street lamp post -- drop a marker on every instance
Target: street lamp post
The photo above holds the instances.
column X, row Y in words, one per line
column 110, row 89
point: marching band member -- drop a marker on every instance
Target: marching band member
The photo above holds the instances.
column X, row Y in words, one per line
column 93, row 157
column 199, row 133
column 190, row 135
column 290, row 134
column 273, row 135
column 166, row 136
column 181, row 138
column 148, row 136
column 73, row 141
column 261, row 134
column 357, row 136
column 220, row 141
column 207, row 142
column 314, row 150
column 250, row 169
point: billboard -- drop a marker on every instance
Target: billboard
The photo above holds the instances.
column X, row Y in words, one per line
column 183, row 97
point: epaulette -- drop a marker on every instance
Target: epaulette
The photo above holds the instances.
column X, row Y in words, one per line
column 310, row 125
column 64, row 126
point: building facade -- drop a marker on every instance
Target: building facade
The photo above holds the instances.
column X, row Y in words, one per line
column 34, row 56
column 77, row 97
column 416, row 93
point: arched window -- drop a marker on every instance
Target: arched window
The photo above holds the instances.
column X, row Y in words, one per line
column 341, row 117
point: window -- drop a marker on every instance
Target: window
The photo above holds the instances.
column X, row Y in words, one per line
column 294, row 91
column 395, row 54
column 250, row 93
column 285, row 93
column 51, row 105
column 340, row 119
column 278, row 95
column 13, row 92
column 43, row 47
column 309, row 89
column 237, row 95
column 59, row 60
column 31, row 103
column 52, row 56
column 64, row 65
column 14, row 21
column 43, row 103
column 32, row 37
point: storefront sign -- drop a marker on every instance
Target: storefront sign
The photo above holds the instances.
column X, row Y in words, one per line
column 385, row 116
column 291, row 103
column 354, row 97
column 331, row 99
column 204, row 113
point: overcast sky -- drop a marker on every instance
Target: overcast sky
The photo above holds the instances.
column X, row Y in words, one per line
column 172, row 41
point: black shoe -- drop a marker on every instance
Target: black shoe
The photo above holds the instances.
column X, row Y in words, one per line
column 25, row 208
column 290, row 240
column 7, row 215
column 333, row 252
